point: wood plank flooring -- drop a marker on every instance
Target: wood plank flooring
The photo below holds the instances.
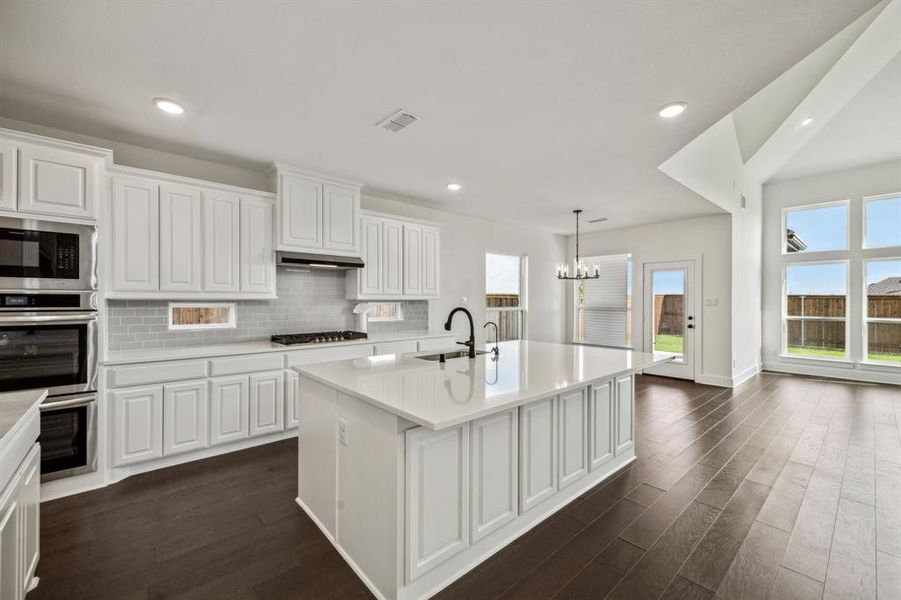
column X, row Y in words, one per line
column 786, row 487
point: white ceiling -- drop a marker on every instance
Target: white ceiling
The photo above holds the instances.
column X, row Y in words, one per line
column 536, row 108
column 866, row 131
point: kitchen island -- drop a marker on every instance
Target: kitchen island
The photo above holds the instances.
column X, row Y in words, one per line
column 417, row 470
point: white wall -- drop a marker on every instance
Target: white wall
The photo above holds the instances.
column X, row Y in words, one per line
column 704, row 239
column 747, row 273
column 851, row 185
column 464, row 242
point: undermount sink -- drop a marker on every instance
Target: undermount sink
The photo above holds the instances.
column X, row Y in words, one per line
column 449, row 355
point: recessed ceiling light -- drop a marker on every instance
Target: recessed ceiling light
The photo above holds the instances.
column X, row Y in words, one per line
column 806, row 121
column 673, row 109
column 454, row 187
column 169, row 106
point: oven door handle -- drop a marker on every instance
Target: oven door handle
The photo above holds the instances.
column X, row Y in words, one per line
column 79, row 401
column 49, row 317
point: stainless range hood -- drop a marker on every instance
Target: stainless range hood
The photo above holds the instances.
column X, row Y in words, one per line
column 316, row 262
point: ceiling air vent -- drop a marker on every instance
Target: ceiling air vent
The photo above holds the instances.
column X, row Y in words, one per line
column 598, row 220
column 398, row 121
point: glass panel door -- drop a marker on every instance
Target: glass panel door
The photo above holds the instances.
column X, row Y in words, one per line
column 670, row 320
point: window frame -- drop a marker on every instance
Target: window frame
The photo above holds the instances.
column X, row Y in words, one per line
column 863, row 221
column 399, row 313
column 784, row 353
column 232, row 316
column 523, row 293
column 783, row 240
column 865, row 300
column 630, row 278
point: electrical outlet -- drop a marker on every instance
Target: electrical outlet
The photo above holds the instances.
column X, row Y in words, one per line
column 342, row 432
column 711, row 301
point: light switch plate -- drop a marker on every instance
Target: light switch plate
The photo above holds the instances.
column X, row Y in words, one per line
column 711, row 302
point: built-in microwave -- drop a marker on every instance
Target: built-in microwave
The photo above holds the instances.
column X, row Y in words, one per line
column 44, row 255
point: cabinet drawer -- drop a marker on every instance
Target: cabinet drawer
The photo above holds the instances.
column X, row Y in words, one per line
column 156, row 373
column 247, row 363
column 314, row 355
column 396, row 347
column 18, row 448
column 436, row 344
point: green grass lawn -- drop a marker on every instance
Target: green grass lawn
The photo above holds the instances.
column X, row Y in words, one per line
column 840, row 354
column 669, row 343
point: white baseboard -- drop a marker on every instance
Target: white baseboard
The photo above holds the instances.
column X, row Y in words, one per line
column 745, row 375
column 717, row 380
column 889, row 376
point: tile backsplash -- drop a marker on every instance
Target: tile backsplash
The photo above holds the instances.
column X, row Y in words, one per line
column 307, row 301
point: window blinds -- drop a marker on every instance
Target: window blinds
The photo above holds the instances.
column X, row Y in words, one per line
column 605, row 308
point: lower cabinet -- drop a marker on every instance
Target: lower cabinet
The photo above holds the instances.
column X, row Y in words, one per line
column 186, row 417
column 229, row 409
column 267, row 403
column 572, row 420
column 537, row 453
column 601, row 420
column 494, row 471
column 625, row 427
column 19, row 528
column 292, row 399
column 437, row 496
column 138, row 415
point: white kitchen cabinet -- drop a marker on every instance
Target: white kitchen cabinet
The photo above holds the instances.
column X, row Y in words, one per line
column 371, row 246
column 341, row 217
column 601, row 418
column 30, row 505
column 8, row 175
column 537, row 452
column 437, row 496
column 57, row 182
column 180, row 239
column 138, row 415
column 495, row 472
column 186, row 422
column 299, row 212
column 625, row 426
column 430, row 261
column 257, row 253
column 572, row 419
column 412, row 260
column 267, row 403
column 229, row 409
column 11, row 555
column 221, row 238
column 392, row 258
column 292, row 399
column 136, row 234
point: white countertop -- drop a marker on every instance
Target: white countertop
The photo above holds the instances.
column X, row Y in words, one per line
column 14, row 406
column 437, row 395
column 213, row 350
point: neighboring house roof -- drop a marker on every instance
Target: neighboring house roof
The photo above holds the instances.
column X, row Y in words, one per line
column 890, row 286
column 794, row 243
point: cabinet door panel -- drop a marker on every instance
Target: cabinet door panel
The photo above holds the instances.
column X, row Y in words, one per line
column 625, row 428
column 136, row 234
column 538, row 453
column 572, row 413
column 30, row 503
column 56, row 182
column 180, row 239
column 602, row 420
column 186, row 424
column 267, row 403
column 430, row 261
column 371, row 250
column 257, row 255
column 10, row 545
column 138, row 414
column 437, row 497
column 392, row 258
column 495, row 475
column 8, row 176
column 292, row 399
column 229, row 409
column 413, row 260
column 340, row 206
column 300, row 212
column 221, row 254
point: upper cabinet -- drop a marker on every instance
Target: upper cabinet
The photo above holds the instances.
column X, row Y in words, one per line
column 45, row 177
column 177, row 238
column 317, row 214
column 401, row 260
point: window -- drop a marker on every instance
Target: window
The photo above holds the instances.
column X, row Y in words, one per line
column 882, row 328
column 882, row 218
column 604, row 305
column 816, row 229
column 816, row 300
column 505, row 294
column 386, row 311
column 208, row 315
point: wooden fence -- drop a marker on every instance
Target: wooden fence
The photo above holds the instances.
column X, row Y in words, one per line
column 669, row 314
column 882, row 337
column 509, row 322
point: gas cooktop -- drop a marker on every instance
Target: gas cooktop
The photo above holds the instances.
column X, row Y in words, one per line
column 317, row 337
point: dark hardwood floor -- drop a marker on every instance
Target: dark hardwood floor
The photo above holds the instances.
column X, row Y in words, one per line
column 786, row 487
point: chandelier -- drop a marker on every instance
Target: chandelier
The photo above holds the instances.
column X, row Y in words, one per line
column 578, row 270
